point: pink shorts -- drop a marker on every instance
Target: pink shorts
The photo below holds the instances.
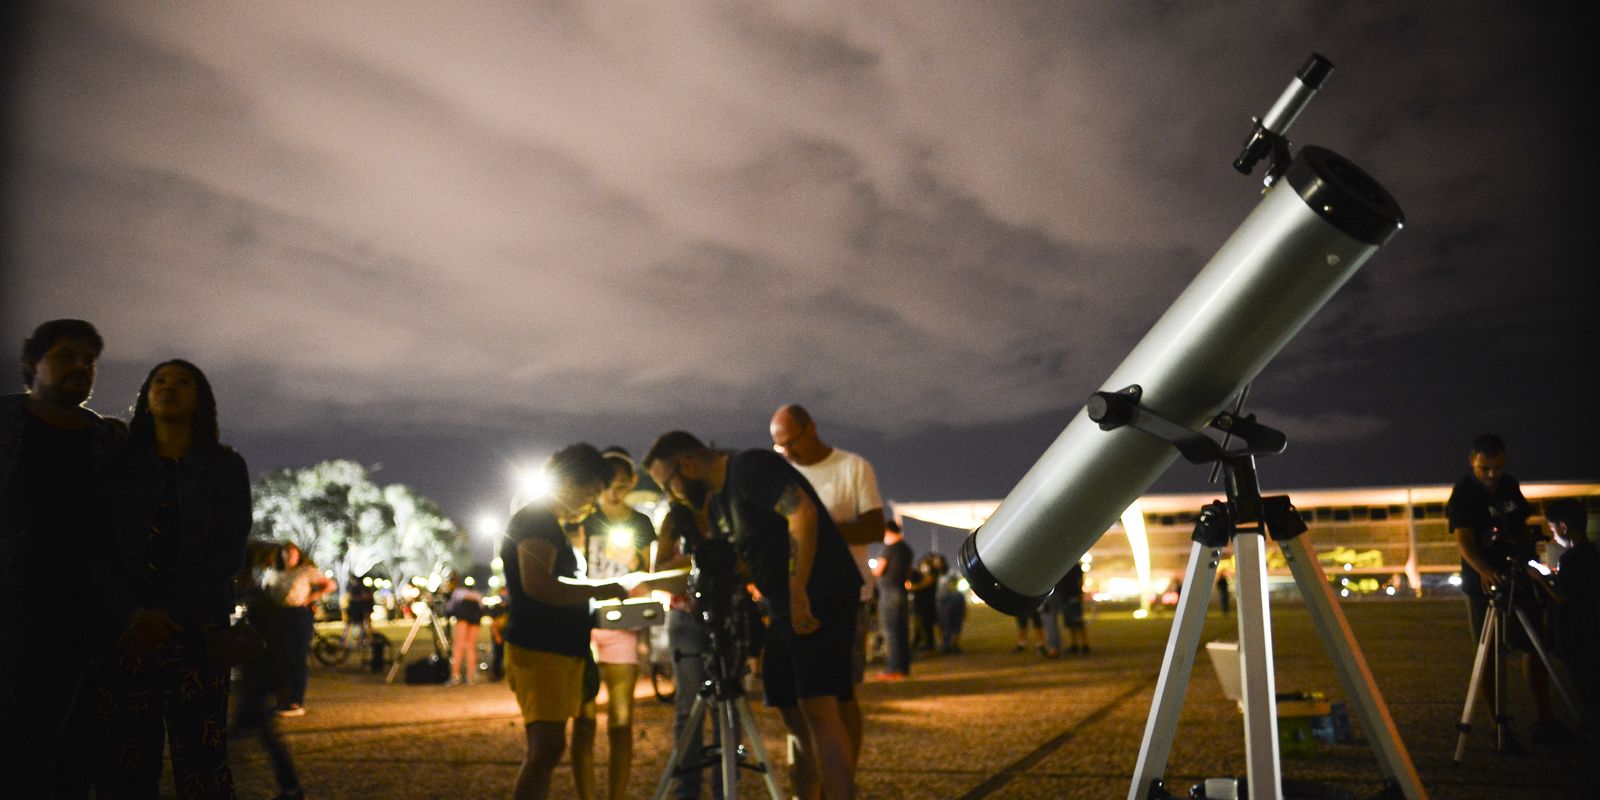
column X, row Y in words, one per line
column 616, row 647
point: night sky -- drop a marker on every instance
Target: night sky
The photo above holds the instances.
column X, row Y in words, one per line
column 449, row 238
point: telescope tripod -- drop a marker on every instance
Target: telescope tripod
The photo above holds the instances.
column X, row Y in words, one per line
column 736, row 725
column 441, row 642
column 721, row 694
column 1492, row 644
column 1246, row 520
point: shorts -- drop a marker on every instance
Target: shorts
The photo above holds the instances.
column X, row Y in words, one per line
column 615, row 647
column 815, row 665
column 548, row 686
column 1072, row 612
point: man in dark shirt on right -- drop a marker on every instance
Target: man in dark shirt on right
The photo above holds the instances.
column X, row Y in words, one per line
column 1489, row 518
column 803, row 569
column 1576, row 622
column 894, row 567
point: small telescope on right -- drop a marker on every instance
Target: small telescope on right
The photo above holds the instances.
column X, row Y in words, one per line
column 1320, row 219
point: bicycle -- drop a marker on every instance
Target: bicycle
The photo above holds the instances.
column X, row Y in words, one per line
column 333, row 651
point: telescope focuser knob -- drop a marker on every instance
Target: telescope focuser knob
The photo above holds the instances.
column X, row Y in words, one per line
column 1114, row 409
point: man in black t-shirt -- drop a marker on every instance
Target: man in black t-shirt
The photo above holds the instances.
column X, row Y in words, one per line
column 802, row 567
column 1489, row 518
column 55, row 460
column 892, row 571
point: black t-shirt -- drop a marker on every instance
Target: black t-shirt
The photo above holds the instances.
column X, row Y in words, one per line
column 57, row 469
column 744, row 512
column 1498, row 519
column 534, row 625
column 63, row 510
column 896, row 567
column 1577, row 617
column 922, row 599
column 605, row 558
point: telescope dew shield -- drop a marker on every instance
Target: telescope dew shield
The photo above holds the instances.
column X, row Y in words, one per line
column 1299, row 245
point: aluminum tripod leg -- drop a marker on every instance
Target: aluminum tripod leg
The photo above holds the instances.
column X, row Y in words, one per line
column 737, row 724
column 1182, row 644
column 400, row 657
column 1257, row 685
column 1479, row 661
column 691, row 732
column 1351, row 665
column 730, row 750
column 759, row 748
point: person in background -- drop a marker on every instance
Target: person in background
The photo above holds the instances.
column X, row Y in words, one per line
column 616, row 541
column 1576, row 623
column 1222, row 594
column 182, row 515
column 359, row 603
column 256, row 701
column 497, row 633
column 547, row 630
column 57, row 459
column 465, row 607
column 924, row 610
column 1071, row 590
column 847, row 485
column 1024, row 623
column 892, row 572
column 1489, row 518
column 952, row 612
column 296, row 584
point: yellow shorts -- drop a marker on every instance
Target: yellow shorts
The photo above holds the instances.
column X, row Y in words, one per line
column 548, row 686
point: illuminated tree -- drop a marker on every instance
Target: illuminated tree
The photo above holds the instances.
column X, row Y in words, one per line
column 346, row 522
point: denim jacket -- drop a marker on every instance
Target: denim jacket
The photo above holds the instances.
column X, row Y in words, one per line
column 214, row 511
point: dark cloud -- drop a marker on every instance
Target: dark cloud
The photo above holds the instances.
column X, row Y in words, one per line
column 435, row 236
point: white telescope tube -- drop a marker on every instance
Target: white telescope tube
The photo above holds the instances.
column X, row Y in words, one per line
column 1305, row 238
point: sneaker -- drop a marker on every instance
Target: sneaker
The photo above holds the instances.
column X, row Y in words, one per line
column 294, row 710
column 1019, row 648
column 1551, row 733
column 889, row 676
column 1048, row 653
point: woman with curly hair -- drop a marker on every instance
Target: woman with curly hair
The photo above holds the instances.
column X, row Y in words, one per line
column 181, row 518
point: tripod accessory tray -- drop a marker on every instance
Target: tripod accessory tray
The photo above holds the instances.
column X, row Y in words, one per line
column 633, row 614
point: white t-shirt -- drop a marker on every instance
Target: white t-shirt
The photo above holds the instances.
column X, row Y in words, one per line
column 849, row 488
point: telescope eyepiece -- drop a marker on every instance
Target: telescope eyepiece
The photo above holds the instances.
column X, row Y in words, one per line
column 1315, row 72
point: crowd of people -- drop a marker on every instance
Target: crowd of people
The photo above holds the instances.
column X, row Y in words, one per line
column 156, row 514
